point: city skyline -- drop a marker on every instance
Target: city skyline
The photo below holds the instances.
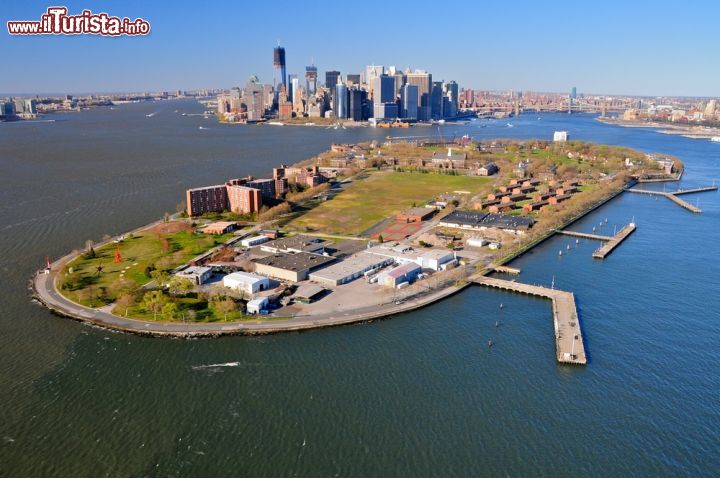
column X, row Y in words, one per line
column 484, row 48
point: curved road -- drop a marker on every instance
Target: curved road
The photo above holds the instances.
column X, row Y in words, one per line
column 46, row 292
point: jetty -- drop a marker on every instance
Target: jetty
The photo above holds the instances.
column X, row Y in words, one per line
column 611, row 242
column 615, row 241
column 673, row 195
column 569, row 347
column 585, row 235
column 505, row 269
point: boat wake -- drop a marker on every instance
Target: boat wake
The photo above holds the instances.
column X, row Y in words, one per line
column 216, row 365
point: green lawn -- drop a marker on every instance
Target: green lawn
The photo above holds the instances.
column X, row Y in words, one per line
column 379, row 196
column 82, row 282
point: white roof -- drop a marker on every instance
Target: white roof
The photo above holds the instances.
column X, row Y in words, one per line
column 356, row 262
column 257, row 302
column 244, row 277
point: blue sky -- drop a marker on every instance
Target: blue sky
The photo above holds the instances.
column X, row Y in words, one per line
column 612, row 47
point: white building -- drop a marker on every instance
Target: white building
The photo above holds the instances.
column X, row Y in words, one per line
column 246, row 282
column 403, row 254
column 560, row 136
column 254, row 241
column 476, row 242
column 257, row 305
column 350, row 269
column 196, row 274
column 405, row 273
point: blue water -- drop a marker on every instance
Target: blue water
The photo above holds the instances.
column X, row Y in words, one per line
column 417, row 395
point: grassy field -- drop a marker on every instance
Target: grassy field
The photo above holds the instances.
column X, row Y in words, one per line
column 381, row 195
column 82, row 282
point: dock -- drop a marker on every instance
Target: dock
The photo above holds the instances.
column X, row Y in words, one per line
column 505, row 269
column 569, row 346
column 673, row 195
column 608, row 247
column 584, row 235
column 611, row 242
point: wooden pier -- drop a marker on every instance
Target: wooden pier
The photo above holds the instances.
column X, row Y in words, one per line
column 611, row 242
column 673, row 195
column 569, row 347
column 505, row 269
column 585, row 235
column 608, row 247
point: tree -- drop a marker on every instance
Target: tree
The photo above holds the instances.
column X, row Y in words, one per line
column 179, row 286
column 223, row 305
column 160, row 277
column 380, row 239
column 126, row 301
column 171, row 311
column 154, row 301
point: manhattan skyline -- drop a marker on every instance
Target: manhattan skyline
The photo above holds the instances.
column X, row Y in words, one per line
column 618, row 49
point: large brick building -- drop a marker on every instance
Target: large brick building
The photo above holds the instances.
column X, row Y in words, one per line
column 243, row 199
column 207, row 199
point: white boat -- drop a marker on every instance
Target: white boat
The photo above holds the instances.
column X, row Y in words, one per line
column 150, row 115
column 202, row 127
column 276, row 123
column 509, row 125
column 715, row 139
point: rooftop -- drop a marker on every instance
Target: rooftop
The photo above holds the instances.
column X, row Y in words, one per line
column 352, row 264
column 296, row 262
column 479, row 219
column 245, row 277
column 300, row 243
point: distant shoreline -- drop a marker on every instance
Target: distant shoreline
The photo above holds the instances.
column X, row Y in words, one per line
column 686, row 131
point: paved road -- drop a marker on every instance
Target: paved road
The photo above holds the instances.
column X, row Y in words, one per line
column 46, row 292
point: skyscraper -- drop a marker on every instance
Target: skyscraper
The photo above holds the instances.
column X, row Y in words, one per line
column 372, row 72
column 340, row 101
column 331, row 79
column 311, row 79
column 451, row 91
column 353, row 79
column 356, row 104
column 383, row 89
column 409, row 102
column 292, row 80
column 279, row 64
column 423, row 80
column 436, row 100
column 573, row 93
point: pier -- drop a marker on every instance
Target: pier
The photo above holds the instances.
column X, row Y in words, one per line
column 505, row 269
column 608, row 247
column 585, row 235
column 569, row 347
column 611, row 242
column 673, row 196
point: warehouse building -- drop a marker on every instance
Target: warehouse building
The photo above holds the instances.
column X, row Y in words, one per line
column 396, row 276
column 198, row 275
column 299, row 243
column 246, row 282
column 350, row 269
column 293, row 267
column 478, row 221
column 426, row 258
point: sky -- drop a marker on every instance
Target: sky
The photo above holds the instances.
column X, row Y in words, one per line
column 609, row 47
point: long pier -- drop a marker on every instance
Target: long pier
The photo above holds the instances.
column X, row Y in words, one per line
column 608, row 247
column 569, row 347
column 673, row 195
column 585, row 235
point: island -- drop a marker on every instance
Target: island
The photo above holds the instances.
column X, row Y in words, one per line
column 356, row 233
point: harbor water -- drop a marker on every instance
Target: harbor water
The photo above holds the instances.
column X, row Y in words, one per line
column 420, row 394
